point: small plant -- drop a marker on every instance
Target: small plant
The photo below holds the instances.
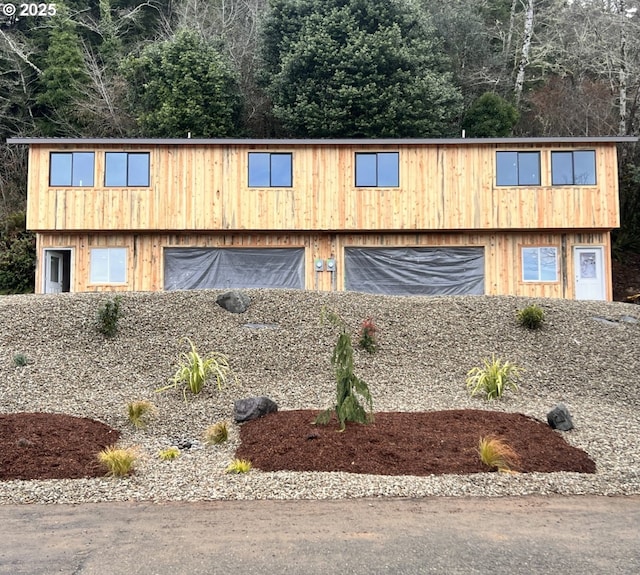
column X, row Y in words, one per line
column 118, row 461
column 216, row 433
column 368, row 340
column 493, row 378
column 20, row 360
column 108, row 316
column 194, row 371
column 349, row 386
column 238, row 466
column 140, row 412
column 169, row 454
column 531, row 317
column 497, row 453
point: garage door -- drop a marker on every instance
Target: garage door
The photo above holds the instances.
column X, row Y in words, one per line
column 415, row 271
column 202, row 268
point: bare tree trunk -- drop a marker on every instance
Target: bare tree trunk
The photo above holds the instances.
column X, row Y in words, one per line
column 526, row 48
column 622, row 71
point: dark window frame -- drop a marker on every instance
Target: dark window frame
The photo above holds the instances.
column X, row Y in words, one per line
column 271, row 183
column 127, row 174
column 70, row 182
column 573, row 168
column 519, row 182
column 377, row 174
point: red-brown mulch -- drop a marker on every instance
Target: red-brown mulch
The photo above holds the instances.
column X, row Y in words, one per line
column 422, row 443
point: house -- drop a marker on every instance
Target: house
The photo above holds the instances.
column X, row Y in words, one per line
column 519, row 216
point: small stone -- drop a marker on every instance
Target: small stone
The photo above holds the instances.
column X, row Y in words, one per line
column 234, row 301
column 559, row 418
column 253, row 407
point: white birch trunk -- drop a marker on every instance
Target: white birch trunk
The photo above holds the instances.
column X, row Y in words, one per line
column 526, row 48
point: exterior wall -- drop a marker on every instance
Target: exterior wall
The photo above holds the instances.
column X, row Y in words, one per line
column 503, row 275
column 204, row 187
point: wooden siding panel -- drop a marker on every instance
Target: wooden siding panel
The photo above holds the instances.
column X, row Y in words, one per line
column 203, row 188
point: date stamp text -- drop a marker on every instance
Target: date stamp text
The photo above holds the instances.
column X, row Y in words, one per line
column 29, row 9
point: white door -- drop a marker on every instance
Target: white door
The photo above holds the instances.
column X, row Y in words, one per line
column 53, row 271
column 589, row 273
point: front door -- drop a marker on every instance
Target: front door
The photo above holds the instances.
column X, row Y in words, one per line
column 589, row 273
column 56, row 271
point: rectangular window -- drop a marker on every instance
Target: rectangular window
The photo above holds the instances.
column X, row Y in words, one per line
column 377, row 170
column 267, row 170
column 124, row 169
column 540, row 264
column 108, row 265
column 573, row 168
column 71, row 169
column 518, row 168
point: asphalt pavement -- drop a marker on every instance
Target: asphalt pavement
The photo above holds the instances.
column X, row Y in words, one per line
column 529, row 535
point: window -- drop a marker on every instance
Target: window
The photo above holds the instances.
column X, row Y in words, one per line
column 126, row 169
column 377, row 170
column 267, row 170
column 540, row 264
column 518, row 168
column 573, row 168
column 71, row 169
column 108, row 265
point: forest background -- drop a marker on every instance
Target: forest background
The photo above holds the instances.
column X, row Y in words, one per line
column 313, row 69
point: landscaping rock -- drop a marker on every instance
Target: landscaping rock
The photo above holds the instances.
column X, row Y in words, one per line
column 234, row 301
column 253, row 407
column 560, row 418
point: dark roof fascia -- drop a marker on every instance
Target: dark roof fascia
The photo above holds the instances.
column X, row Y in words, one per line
column 319, row 142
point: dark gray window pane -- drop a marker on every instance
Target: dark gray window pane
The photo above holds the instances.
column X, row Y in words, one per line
column 259, row 170
column 82, row 169
column 138, row 170
column 281, row 170
column 584, row 167
column 561, row 168
column 388, row 170
column 115, row 169
column 366, row 175
column 528, row 169
column 60, row 169
column 507, row 168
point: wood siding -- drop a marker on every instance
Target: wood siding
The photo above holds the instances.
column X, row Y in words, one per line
column 204, row 188
column 503, row 274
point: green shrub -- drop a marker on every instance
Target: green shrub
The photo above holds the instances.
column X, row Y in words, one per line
column 531, row 317
column 108, row 316
column 20, row 360
column 194, row 371
column 118, row 461
column 368, row 340
column 169, row 454
column 216, row 433
column 17, row 255
column 349, row 387
column 140, row 412
column 493, row 378
column 238, row 466
column 497, row 453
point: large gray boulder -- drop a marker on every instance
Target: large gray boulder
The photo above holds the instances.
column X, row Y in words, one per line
column 559, row 418
column 234, row 301
column 253, row 407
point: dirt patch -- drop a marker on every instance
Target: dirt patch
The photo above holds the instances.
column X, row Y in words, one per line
column 422, row 443
column 51, row 446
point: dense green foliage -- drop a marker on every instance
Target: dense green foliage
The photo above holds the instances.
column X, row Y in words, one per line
column 109, row 314
column 357, row 69
column 183, row 86
column 490, row 116
column 17, row 256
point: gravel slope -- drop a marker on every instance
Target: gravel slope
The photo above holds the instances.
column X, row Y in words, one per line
column 585, row 356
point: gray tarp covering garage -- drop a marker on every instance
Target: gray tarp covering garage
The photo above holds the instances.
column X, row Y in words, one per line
column 201, row 268
column 415, row 271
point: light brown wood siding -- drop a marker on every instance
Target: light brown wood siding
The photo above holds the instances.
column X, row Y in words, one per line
column 503, row 266
column 204, row 188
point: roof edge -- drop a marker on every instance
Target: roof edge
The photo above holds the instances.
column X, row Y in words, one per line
column 318, row 142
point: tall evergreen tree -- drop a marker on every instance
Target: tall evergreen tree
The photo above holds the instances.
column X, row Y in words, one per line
column 356, row 68
column 183, row 86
